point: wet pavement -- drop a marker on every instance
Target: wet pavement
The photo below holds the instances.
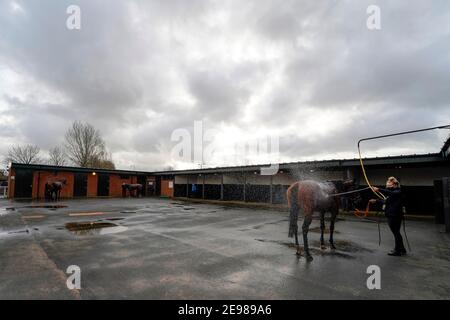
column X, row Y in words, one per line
column 164, row 249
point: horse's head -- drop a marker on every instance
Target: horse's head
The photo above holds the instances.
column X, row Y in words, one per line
column 349, row 184
column 354, row 198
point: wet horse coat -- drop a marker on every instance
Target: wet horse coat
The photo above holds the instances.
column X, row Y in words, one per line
column 310, row 196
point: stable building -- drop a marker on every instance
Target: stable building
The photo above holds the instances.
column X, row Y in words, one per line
column 27, row 181
column 420, row 175
column 417, row 174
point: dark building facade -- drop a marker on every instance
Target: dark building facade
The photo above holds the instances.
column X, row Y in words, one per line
column 417, row 173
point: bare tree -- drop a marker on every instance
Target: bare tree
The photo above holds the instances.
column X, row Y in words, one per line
column 104, row 162
column 23, row 154
column 57, row 156
column 85, row 146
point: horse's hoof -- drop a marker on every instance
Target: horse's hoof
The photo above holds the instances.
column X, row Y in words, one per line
column 323, row 247
column 332, row 246
column 309, row 258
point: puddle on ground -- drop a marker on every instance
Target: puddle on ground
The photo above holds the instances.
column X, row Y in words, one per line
column 126, row 211
column 12, row 233
column 284, row 243
column 317, row 230
column 327, row 252
column 267, row 223
column 42, row 206
column 93, row 228
column 114, row 219
column 344, row 249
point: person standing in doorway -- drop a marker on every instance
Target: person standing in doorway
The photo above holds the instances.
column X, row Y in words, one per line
column 393, row 209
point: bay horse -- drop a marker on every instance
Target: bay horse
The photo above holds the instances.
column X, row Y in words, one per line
column 53, row 189
column 132, row 187
column 310, row 196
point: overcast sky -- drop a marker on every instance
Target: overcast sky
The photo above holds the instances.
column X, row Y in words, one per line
column 309, row 73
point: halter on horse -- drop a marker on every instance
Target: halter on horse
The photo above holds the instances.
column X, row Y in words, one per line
column 310, row 196
column 132, row 187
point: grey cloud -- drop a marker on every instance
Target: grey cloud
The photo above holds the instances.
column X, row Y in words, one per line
column 123, row 71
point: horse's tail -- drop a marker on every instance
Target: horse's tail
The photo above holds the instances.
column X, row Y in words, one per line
column 292, row 197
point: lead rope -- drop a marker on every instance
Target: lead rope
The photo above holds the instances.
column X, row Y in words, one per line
column 404, row 231
column 364, row 214
column 379, row 230
column 379, row 194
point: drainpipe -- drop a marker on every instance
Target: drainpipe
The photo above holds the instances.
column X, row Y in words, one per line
column 187, row 186
column 271, row 189
column 245, row 185
column 203, row 187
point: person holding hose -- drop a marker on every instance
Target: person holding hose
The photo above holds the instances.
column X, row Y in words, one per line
column 393, row 210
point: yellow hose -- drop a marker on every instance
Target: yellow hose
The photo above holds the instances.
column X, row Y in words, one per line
column 378, row 194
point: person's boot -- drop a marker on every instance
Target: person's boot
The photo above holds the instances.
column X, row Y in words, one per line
column 395, row 253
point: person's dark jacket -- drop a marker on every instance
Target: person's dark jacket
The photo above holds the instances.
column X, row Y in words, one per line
column 393, row 202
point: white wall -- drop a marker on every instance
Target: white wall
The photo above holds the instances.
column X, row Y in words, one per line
column 180, row 180
column 258, row 179
column 283, row 179
column 213, row 179
column 407, row 176
column 229, row 178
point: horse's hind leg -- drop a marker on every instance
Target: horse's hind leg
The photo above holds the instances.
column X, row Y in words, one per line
column 322, row 229
column 305, row 228
column 296, row 243
column 294, row 226
column 333, row 220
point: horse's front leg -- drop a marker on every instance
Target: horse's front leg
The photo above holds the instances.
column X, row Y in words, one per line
column 334, row 214
column 305, row 228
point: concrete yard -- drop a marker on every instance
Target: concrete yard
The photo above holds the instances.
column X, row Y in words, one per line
column 150, row 248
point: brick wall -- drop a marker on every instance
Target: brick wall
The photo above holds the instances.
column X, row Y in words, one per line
column 41, row 177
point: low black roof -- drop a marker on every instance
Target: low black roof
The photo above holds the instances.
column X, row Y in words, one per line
column 445, row 151
column 45, row 167
column 419, row 159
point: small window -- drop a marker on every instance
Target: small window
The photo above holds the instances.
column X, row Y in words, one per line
column 123, row 177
